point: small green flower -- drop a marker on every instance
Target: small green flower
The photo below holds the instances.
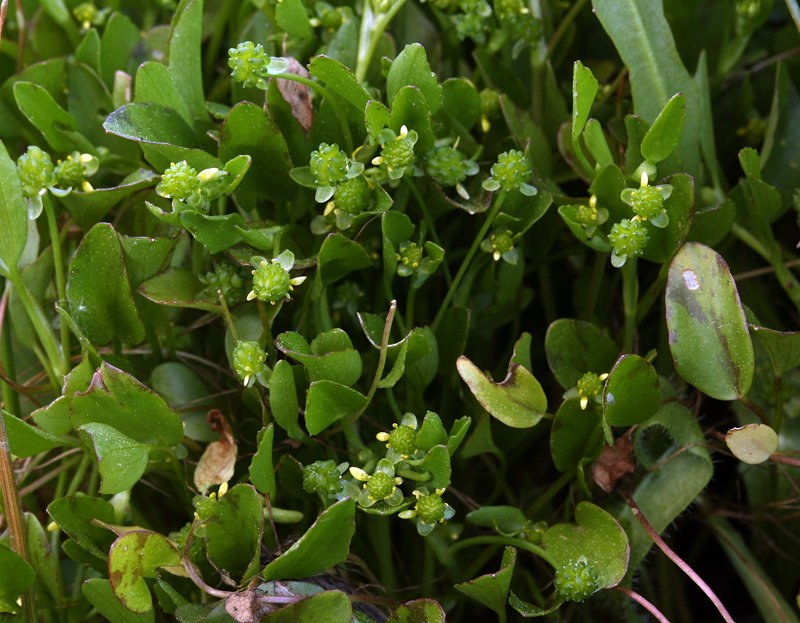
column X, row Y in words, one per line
column 330, row 166
column 36, row 172
column 380, row 486
column 472, row 22
column 590, row 217
column 271, row 281
column 408, row 258
column 517, row 20
column 72, row 172
column 248, row 63
column 248, row 361
column 88, row 15
column 511, row 171
column 589, row 387
column 397, row 151
column 577, row 580
column 648, row 201
column 180, row 182
column 227, row 278
column 324, row 477
column 490, row 107
column 628, row 238
column 447, row 166
column 351, row 198
column 402, row 441
column 429, row 510
column 213, row 183
column 501, row 245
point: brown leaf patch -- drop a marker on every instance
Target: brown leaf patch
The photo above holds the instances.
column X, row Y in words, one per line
column 298, row 95
column 614, row 462
column 217, row 463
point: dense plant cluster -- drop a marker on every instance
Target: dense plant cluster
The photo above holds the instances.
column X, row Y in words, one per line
column 399, row 310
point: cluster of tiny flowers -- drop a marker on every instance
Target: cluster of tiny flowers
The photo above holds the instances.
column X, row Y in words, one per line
column 397, row 151
column 271, row 280
column 36, row 172
column 516, row 19
column 501, row 245
column 448, row 167
column 331, row 167
column 72, row 172
column 591, row 217
column 380, row 486
column 589, row 387
column 627, row 238
column 576, row 581
column 511, row 171
column 248, row 62
column 402, row 441
column 490, row 107
column 472, row 22
column 409, row 258
column 429, row 510
column 227, row 279
column 324, row 478
column 248, row 361
column 180, row 182
column 647, row 201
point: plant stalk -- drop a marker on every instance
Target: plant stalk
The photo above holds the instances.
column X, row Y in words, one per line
column 58, row 262
column 630, row 301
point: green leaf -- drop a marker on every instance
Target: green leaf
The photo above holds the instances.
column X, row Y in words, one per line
column 217, row 232
column 249, row 130
column 185, row 57
column 283, row 399
column 17, row 577
column 376, row 116
column 664, row 135
column 327, row 607
column 505, row 519
column 184, row 391
column 708, row 331
column 46, row 115
column 632, row 393
column 152, row 123
column 234, row 531
column 596, row 143
column 461, row 103
column 457, row 434
column 121, row 460
column 339, row 256
column 518, row 401
column 584, row 89
column 752, row 443
column 437, row 462
column 431, row 433
column 783, row 348
column 529, row 610
column 135, row 556
column 325, row 544
column 768, row 598
column 418, row 611
column 781, row 143
column 25, row 440
column 339, row 79
column 291, row 17
column 99, row 593
column 331, row 355
column 117, row 399
column 574, row 434
column 98, row 290
column 452, row 335
column 711, row 225
column 178, row 287
column 410, row 109
column 74, row 515
column 597, row 536
column 13, row 214
column 492, row 589
column 644, row 40
column 569, row 214
column 262, row 473
column 119, row 40
column 411, row 68
column 41, row 558
column 154, row 84
column 328, row 402
column 575, row 347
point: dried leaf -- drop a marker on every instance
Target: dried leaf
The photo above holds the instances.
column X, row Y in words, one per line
column 217, row 463
column 615, row 461
column 298, row 95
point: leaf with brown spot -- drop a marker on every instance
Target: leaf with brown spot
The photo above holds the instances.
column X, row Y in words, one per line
column 297, row 95
column 616, row 461
column 219, row 459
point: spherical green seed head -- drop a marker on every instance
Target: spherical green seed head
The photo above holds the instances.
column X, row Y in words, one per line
column 511, row 169
column 85, row 12
column 322, row 477
column 398, row 153
column 628, row 237
column 589, row 385
column 35, row 171
column 204, row 506
column 430, row 508
column 380, row 486
column 403, row 440
column 179, row 182
column 70, row 173
column 587, row 216
column 502, row 241
column 229, row 279
column 328, row 164
column 248, row 63
column 248, row 360
column 410, row 255
column 271, row 282
column 577, row 581
column 443, row 164
column 647, row 202
column 353, row 196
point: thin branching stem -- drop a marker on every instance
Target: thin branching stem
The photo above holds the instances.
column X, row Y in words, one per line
column 642, row 602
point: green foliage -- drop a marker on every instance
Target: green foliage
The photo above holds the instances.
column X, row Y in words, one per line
column 448, row 181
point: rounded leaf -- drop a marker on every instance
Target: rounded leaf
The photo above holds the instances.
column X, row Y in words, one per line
column 632, row 393
column 752, row 444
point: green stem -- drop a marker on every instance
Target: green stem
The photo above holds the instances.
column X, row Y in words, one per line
column 466, row 262
column 548, row 495
column 777, row 421
column 427, row 216
column 372, row 28
column 412, row 295
column 755, row 409
column 40, row 324
column 14, row 515
column 228, row 318
column 77, row 478
column 565, row 23
column 598, row 272
column 10, row 395
column 630, row 301
column 410, row 474
column 794, row 11
column 58, row 262
column 381, row 361
column 337, row 109
column 655, row 290
column 504, row 540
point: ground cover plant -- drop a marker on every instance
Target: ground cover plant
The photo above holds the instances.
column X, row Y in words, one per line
column 391, row 310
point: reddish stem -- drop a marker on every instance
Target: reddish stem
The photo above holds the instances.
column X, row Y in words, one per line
column 782, row 458
column 642, row 602
column 675, row 558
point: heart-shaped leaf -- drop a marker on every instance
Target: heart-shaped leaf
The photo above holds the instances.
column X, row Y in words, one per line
column 120, row 459
column 575, row 347
column 492, row 589
column 632, row 392
column 328, row 402
column 234, row 530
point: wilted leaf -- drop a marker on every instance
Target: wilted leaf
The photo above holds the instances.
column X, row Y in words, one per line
column 615, row 462
column 218, row 461
column 297, row 95
column 752, row 444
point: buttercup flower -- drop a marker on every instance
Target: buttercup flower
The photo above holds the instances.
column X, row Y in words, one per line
column 271, row 281
column 402, row 441
column 429, row 510
column 590, row 217
column 511, row 171
column 648, row 201
column 447, row 166
column 589, row 387
column 628, row 237
column 248, row 361
column 380, row 486
column 501, row 245
column 397, row 152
